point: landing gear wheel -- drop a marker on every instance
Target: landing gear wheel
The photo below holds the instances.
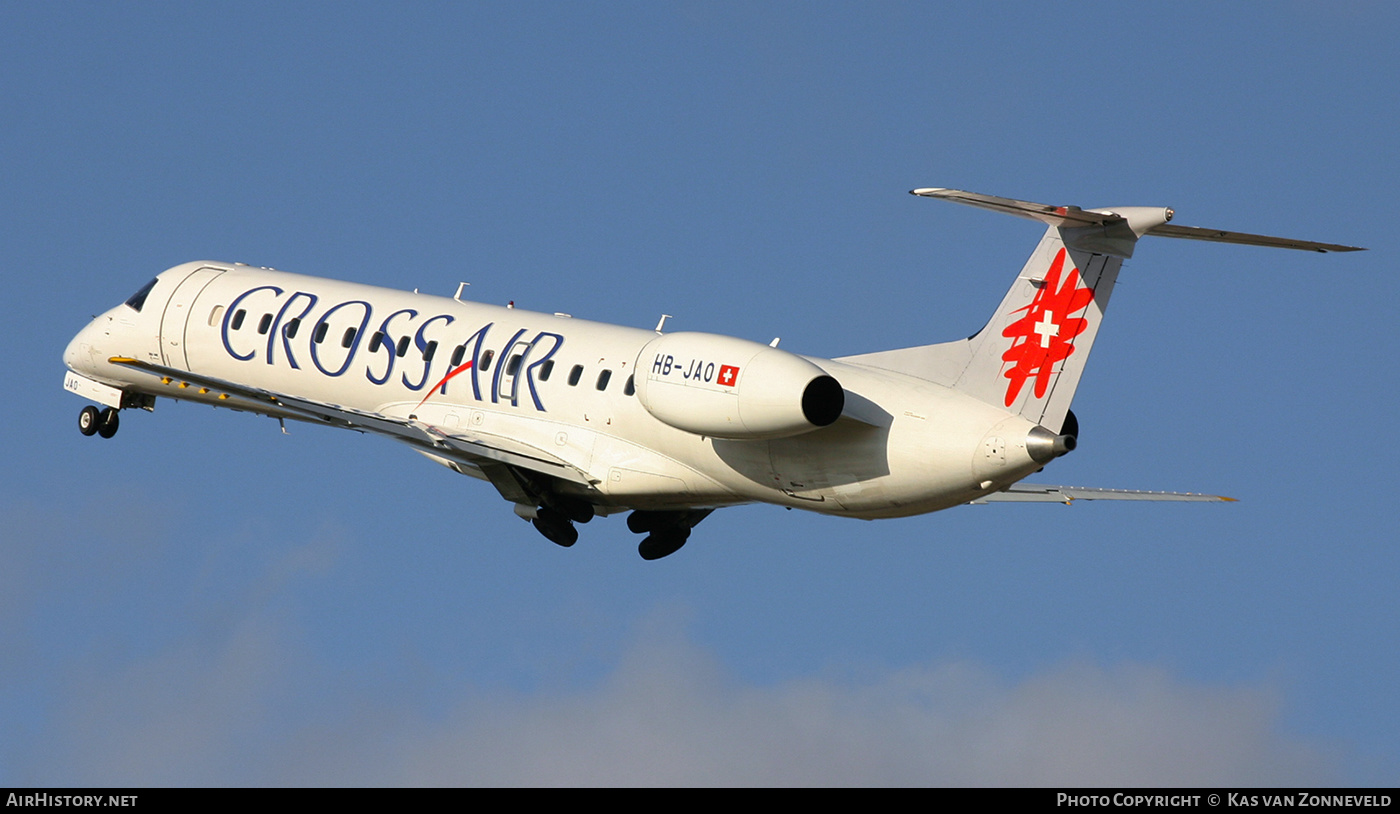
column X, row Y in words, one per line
column 555, row 527
column 108, row 422
column 579, row 511
column 660, row 544
column 639, row 522
column 88, row 420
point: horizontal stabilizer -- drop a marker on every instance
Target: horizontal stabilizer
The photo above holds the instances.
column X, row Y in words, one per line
column 1047, row 493
column 1218, row 236
column 1073, row 216
column 1053, row 215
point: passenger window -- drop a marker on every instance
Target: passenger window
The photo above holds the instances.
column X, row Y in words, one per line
column 349, row 338
column 238, row 319
column 458, row 354
column 575, row 375
column 629, row 388
column 486, row 360
column 139, row 298
column 321, row 332
column 264, row 324
column 513, row 366
column 375, row 341
column 429, row 351
column 292, row 325
column 603, row 379
column 403, row 345
column 545, row 370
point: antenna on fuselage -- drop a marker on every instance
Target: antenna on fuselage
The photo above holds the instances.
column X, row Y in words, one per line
column 662, row 322
column 460, row 288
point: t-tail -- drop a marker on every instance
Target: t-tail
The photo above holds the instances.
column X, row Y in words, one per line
column 1031, row 354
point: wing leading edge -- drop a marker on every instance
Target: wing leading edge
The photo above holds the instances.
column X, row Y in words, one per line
column 455, row 445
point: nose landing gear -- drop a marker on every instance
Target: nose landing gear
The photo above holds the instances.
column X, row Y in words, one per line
column 92, row 421
column 88, row 420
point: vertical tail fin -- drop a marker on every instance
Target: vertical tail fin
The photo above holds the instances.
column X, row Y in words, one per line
column 1031, row 354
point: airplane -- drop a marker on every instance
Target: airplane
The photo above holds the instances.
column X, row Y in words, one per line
column 570, row 419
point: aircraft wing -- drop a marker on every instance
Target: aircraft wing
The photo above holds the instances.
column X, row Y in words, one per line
column 1047, row 493
column 456, row 444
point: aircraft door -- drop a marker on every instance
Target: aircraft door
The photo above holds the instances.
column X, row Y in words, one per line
column 506, row 382
column 176, row 316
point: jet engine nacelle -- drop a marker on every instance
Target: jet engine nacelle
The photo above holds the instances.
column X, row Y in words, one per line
column 723, row 387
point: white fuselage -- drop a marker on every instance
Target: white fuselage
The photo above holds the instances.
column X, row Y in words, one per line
column 551, row 383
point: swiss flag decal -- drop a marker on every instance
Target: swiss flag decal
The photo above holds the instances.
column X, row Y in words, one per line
column 1044, row 335
column 728, row 375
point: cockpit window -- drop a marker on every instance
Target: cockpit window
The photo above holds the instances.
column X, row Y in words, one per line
column 139, row 298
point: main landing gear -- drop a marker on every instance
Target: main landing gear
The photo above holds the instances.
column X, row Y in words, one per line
column 556, row 522
column 665, row 532
column 104, row 422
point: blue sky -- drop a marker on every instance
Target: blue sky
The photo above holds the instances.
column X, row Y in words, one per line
column 204, row 600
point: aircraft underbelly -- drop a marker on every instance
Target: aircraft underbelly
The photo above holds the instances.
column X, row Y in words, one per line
column 841, row 465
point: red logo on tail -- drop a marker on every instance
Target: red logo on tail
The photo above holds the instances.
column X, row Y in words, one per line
column 1045, row 335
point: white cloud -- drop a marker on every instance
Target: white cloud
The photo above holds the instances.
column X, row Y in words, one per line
column 668, row 714
column 189, row 716
column 239, row 698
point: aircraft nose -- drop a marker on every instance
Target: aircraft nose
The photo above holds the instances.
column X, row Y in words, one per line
column 78, row 355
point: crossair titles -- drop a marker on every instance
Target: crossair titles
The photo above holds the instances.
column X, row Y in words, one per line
column 289, row 340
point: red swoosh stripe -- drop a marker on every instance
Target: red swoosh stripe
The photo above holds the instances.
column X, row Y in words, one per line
column 445, row 380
